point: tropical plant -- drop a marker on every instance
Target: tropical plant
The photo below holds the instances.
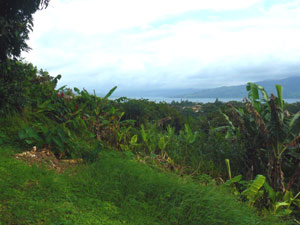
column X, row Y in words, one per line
column 258, row 193
column 102, row 117
column 253, row 191
column 150, row 138
column 267, row 131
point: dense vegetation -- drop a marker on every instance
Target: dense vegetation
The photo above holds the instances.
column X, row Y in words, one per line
column 198, row 157
column 142, row 162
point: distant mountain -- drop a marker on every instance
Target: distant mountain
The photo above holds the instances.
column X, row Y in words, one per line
column 291, row 89
column 154, row 92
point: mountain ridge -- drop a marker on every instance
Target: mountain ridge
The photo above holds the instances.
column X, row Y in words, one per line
column 291, row 89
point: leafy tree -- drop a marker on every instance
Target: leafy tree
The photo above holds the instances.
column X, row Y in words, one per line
column 143, row 111
column 16, row 22
column 23, row 84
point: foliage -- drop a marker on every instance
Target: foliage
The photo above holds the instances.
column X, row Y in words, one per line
column 16, row 22
column 194, row 152
column 201, row 116
column 253, row 190
column 143, row 111
column 62, row 120
column 267, row 131
column 169, row 137
column 191, row 139
column 259, row 194
column 101, row 117
column 22, row 84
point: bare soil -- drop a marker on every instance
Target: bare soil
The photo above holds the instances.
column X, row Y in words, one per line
column 46, row 158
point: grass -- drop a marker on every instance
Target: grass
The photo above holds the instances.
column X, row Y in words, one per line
column 114, row 190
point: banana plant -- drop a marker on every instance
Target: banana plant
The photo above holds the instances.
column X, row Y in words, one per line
column 99, row 113
column 281, row 202
column 278, row 203
column 188, row 138
column 266, row 129
column 150, row 139
column 232, row 181
column 162, row 144
column 254, row 190
column 131, row 145
column 189, row 135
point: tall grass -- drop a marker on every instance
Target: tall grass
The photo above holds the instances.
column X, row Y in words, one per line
column 114, row 190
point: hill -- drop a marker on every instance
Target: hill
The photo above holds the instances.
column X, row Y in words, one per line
column 290, row 89
column 114, row 190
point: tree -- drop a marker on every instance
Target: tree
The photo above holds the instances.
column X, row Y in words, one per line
column 15, row 24
column 22, row 84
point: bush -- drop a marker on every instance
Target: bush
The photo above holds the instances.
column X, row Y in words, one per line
column 21, row 84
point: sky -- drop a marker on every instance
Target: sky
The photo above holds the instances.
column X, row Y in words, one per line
column 166, row 44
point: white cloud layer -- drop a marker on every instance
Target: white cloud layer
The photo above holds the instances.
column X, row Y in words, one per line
column 166, row 44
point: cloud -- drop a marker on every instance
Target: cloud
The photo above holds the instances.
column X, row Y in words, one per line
column 94, row 16
column 244, row 73
column 166, row 44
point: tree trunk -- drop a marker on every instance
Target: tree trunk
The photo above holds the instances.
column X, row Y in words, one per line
column 293, row 179
column 275, row 174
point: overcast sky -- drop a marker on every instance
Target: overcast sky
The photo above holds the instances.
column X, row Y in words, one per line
column 138, row 44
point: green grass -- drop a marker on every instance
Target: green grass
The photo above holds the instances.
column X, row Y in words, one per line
column 114, row 190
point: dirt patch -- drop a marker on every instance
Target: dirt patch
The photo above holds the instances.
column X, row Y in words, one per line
column 163, row 162
column 47, row 158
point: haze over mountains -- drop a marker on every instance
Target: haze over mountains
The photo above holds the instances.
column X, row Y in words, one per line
column 291, row 89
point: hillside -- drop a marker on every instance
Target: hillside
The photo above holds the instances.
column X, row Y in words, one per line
column 136, row 161
column 114, row 190
column 290, row 90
